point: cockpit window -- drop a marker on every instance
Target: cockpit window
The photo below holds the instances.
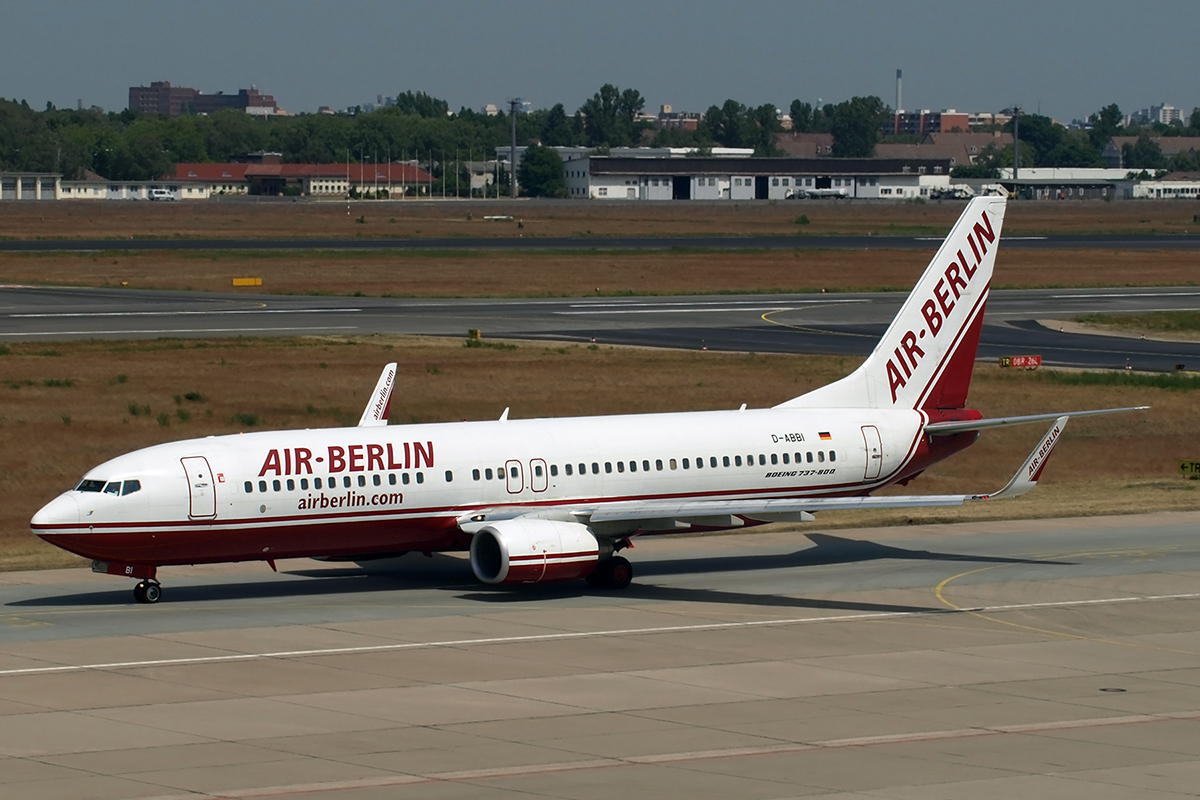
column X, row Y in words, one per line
column 114, row 487
column 129, row 487
column 90, row 485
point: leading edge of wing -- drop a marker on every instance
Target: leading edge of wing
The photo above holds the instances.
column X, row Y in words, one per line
column 947, row 428
column 1024, row 480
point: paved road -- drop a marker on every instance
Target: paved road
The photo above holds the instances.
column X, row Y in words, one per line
column 1114, row 241
column 1023, row 659
column 834, row 323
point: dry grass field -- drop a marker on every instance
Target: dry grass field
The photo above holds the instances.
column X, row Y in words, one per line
column 540, row 274
column 250, row 218
column 65, row 407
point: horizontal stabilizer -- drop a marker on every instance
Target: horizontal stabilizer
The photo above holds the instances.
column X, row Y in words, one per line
column 947, row 428
column 376, row 412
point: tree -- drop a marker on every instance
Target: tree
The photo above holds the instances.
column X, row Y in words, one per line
column 1074, row 150
column 1143, row 154
column 802, row 116
column 856, row 125
column 556, row 129
column 608, row 118
column 541, row 173
column 1106, row 123
column 421, row 104
column 1041, row 133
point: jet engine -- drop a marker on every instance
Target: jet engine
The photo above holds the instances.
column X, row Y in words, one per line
column 533, row 551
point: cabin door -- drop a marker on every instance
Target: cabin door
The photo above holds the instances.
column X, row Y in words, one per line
column 874, row 451
column 201, row 487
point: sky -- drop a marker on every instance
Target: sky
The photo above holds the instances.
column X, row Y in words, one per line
column 1062, row 58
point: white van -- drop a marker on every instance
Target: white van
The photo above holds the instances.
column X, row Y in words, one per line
column 161, row 194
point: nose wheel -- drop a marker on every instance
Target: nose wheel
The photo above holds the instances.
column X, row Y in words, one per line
column 147, row 591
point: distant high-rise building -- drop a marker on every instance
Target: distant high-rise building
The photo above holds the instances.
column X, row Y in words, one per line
column 160, row 97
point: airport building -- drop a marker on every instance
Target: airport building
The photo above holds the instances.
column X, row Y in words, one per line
column 29, row 185
column 160, row 97
column 620, row 178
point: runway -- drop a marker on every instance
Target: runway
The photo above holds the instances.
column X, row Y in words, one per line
column 1016, row 659
column 839, row 323
column 1121, row 241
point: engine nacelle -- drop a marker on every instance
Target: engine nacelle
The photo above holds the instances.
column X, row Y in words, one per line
column 532, row 551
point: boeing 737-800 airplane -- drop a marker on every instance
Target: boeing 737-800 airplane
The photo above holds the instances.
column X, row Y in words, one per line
column 557, row 499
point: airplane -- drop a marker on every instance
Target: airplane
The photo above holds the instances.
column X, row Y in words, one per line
column 558, row 499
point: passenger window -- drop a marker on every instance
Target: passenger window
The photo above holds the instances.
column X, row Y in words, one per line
column 712, row 462
column 737, row 461
column 832, row 455
column 658, row 464
column 262, row 486
column 537, row 470
column 725, row 460
column 276, row 485
column 671, row 463
column 376, row 480
column 475, row 474
column 821, row 456
column 687, row 464
column 404, row 479
column 774, row 458
column 362, row 480
column 554, row 470
column 700, row 463
column 304, row 484
column 449, row 476
column 645, row 465
column 291, row 484
column 620, row 466
column 583, row 469
column 810, row 457
column 568, row 469
column 785, row 458
column 249, row 487
column 607, row 466
column 420, row 477
column 762, row 460
column 632, row 466
column 391, row 479
column 487, row 473
column 113, row 488
column 346, row 481
column 316, row 483
column 596, row 468
column 512, row 470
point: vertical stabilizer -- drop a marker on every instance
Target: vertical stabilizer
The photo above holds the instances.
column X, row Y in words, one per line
column 924, row 360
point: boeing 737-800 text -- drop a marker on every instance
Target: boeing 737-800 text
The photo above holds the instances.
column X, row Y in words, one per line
column 557, row 499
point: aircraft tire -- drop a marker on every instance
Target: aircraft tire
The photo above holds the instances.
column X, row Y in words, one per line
column 612, row 574
column 152, row 592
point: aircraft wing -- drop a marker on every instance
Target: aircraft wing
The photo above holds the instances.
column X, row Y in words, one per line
column 709, row 512
column 376, row 412
column 947, row 428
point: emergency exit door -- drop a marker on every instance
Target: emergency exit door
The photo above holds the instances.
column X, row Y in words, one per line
column 201, row 488
column 874, row 451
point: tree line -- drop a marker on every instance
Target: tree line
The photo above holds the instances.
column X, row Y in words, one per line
column 128, row 145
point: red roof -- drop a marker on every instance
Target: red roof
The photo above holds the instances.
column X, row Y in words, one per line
column 359, row 174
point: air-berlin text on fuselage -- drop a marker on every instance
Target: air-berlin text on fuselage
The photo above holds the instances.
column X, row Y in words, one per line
column 936, row 310
column 348, row 458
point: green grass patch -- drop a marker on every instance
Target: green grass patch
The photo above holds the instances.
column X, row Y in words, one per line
column 58, row 382
column 1169, row 381
column 1159, row 321
column 489, row 345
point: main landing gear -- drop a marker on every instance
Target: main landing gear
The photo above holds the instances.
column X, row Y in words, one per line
column 612, row 573
column 147, row 591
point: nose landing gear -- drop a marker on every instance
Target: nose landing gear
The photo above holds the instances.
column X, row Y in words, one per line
column 147, row 591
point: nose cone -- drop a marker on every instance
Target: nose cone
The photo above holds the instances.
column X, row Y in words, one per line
column 62, row 510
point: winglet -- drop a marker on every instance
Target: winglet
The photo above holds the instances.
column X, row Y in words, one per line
column 1027, row 476
column 376, row 412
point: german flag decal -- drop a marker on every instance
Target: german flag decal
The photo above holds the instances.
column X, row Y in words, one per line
column 824, row 436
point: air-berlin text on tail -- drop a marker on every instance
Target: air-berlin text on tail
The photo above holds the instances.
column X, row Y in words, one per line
column 937, row 309
column 350, row 458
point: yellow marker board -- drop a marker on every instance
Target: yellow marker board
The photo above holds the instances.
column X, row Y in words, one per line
column 247, row 281
column 1190, row 468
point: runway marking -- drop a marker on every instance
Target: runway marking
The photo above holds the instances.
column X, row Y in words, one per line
column 821, row 301
column 185, row 313
column 527, row 770
column 185, row 330
column 552, row 637
column 767, row 318
column 982, row 613
column 670, row 310
column 1122, row 295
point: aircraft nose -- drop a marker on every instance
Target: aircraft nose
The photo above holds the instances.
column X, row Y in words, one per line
column 62, row 510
